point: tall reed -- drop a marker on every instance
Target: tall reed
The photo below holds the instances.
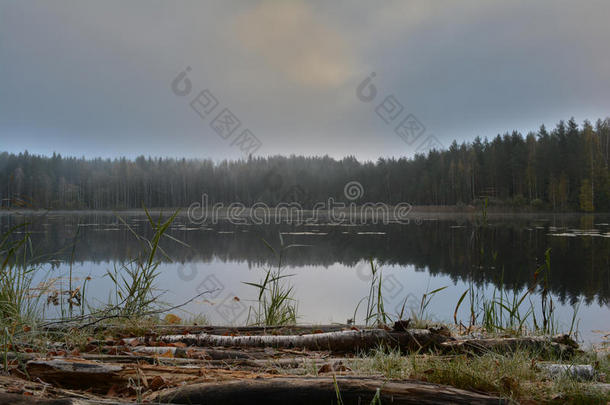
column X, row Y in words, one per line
column 135, row 289
column 276, row 303
column 375, row 311
column 19, row 307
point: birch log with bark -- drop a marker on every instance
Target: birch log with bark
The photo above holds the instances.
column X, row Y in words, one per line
column 343, row 341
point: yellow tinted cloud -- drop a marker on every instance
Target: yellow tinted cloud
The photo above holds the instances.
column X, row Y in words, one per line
column 287, row 35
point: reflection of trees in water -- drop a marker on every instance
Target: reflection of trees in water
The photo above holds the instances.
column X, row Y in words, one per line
column 580, row 266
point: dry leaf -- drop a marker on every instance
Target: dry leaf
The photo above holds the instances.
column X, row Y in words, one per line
column 177, row 344
column 157, row 383
column 172, row 319
column 112, row 391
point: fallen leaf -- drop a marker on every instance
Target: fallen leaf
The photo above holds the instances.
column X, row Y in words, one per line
column 509, row 383
column 177, row 344
column 112, row 391
column 326, row 368
column 157, row 383
column 172, row 319
column 337, row 366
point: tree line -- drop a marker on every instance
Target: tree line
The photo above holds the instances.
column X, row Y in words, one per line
column 563, row 169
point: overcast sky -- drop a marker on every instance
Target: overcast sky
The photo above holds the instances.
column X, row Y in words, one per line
column 95, row 78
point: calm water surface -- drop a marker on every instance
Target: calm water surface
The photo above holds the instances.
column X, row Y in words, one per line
column 332, row 274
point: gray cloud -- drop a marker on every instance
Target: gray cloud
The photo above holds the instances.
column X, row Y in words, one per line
column 93, row 78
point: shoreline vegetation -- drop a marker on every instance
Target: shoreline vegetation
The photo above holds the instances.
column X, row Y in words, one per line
column 135, row 348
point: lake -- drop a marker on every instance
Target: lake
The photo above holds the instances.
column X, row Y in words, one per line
column 331, row 271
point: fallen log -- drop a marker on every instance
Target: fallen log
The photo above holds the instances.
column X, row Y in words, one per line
column 99, row 378
column 556, row 346
column 179, row 356
column 258, row 363
column 315, row 390
column 76, row 374
column 215, row 330
column 189, row 352
column 16, row 399
column 341, row 341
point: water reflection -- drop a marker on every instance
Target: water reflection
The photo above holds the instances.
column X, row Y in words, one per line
column 450, row 246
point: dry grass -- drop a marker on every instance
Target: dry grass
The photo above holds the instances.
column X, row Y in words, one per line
column 514, row 375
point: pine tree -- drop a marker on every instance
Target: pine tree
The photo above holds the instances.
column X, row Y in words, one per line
column 586, row 196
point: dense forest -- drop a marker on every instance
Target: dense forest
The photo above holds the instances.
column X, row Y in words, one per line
column 563, row 169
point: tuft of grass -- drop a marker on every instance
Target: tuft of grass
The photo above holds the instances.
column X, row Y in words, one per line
column 512, row 375
column 134, row 281
column 549, row 325
column 197, row 320
column 375, row 311
column 391, row 363
column 18, row 307
column 500, row 374
column 375, row 401
column 134, row 306
column 420, row 318
column 276, row 302
column 505, row 313
column 376, row 314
